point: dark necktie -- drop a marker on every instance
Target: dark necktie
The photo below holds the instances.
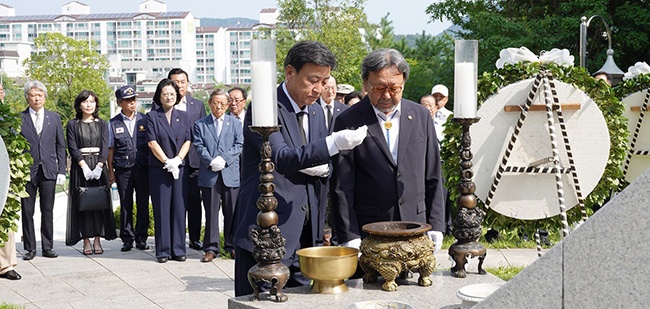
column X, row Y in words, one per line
column 300, row 116
column 329, row 116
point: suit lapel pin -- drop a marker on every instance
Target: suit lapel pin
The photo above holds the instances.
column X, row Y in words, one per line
column 410, row 117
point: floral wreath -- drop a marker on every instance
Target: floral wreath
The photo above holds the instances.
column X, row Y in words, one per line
column 522, row 68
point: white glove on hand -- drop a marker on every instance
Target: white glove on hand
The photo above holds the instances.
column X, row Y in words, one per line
column 437, row 239
column 88, row 174
column 348, row 139
column 217, row 164
column 175, row 161
column 97, row 172
column 175, row 173
column 322, row 170
column 60, row 179
column 354, row 243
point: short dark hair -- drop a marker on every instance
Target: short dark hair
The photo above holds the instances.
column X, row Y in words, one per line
column 384, row 58
column 309, row 52
column 352, row 95
column 243, row 92
column 83, row 96
column 162, row 84
column 176, row 71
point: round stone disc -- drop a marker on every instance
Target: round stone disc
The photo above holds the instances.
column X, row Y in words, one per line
column 531, row 196
column 638, row 163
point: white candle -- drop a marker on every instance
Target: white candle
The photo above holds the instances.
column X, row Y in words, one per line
column 263, row 86
column 465, row 90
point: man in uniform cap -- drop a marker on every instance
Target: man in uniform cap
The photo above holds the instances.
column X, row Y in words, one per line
column 438, row 111
column 128, row 155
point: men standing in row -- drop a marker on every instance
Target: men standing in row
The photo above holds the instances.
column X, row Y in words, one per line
column 331, row 108
column 301, row 152
column 394, row 175
column 195, row 110
column 218, row 140
column 128, row 155
column 237, row 103
column 44, row 132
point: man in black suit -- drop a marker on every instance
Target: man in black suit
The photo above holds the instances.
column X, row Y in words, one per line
column 301, row 153
column 128, row 155
column 195, row 110
column 237, row 103
column 44, row 132
column 395, row 173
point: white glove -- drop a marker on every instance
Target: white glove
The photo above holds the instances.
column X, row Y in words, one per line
column 175, row 173
column 348, row 139
column 175, row 162
column 97, row 172
column 437, row 238
column 217, row 164
column 88, row 174
column 322, row 170
column 354, row 243
column 60, row 179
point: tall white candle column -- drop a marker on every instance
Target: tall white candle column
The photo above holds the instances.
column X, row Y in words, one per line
column 465, row 78
column 263, row 83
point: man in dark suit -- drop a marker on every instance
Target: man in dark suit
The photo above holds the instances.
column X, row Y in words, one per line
column 395, row 173
column 195, row 110
column 331, row 107
column 128, row 154
column 218, row 140
column 44, row 132
column 301, row 153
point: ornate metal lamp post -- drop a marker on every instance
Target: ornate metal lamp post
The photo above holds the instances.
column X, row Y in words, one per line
column 610, row 66
column 267, row 237
column 467, row 224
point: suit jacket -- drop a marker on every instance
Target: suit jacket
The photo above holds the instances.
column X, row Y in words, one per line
column 170, row 137
column 228, row 145
column 337, row 109
column 129, row 150
column 368, row 186
column 195, row 111
column 294, row 190
column 50, row 146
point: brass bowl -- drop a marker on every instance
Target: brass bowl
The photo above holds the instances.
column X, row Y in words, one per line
column 396, row 228
column 328, row 267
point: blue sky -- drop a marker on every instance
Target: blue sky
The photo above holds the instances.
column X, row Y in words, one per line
column 407, row 15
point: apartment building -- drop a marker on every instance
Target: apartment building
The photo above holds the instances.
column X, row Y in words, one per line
column 142, row 45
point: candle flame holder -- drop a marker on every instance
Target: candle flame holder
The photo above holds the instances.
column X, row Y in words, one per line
column 468, row 221
column 267, row 237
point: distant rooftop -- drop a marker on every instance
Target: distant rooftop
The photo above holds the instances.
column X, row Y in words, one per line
column 89, row 17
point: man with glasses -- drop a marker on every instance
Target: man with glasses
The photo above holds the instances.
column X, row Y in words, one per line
column 237, row 103
column 331, row 107
column 394, row 175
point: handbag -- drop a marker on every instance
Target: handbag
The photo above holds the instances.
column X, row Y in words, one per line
column 91, row 198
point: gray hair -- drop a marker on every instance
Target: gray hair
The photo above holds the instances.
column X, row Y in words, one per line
column 34, row 84
column 219, row 91
column 383, row 58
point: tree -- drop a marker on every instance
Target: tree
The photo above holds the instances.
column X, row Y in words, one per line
column 432, row 62
column 66, row 67
column 543, row 25
column 335, row 23
column 382, row 35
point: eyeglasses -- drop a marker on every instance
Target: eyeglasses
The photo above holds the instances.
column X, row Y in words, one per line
column 237, row 100
column 381, row 90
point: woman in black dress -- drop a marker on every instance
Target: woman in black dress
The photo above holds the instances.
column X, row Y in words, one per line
column 87, row 137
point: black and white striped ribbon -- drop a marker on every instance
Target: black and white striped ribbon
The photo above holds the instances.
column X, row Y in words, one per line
column 641, row 152
column 556, row 156
column 513, row 139
column 635, row 136
column 567, row 147
column 538, row 242
column 536, row 170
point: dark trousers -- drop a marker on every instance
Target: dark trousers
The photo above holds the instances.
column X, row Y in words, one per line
column 194, row 212
column 168, row 197
column 46, row 189
column 129, row 180
column 245, row 261
column 214, row 197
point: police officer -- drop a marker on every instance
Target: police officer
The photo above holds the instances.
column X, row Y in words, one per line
column 127, row 164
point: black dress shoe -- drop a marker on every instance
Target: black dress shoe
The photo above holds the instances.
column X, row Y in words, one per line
column 29, row 255
column 196, row 245
column 50, row 254
column 163, row 259
column 142, row 246
column 208, row 257
column 11, row 275
column 126, row 247
column 180, row 258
